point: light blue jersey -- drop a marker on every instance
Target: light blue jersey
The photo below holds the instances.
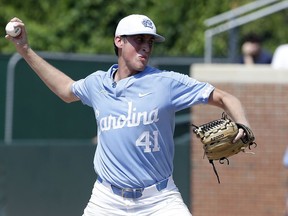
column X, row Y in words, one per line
column 135, row 122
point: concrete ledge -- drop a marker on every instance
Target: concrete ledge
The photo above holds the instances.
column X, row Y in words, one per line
column 237, row 73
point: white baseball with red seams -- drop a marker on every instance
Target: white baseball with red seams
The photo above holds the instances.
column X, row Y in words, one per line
column 12, row 30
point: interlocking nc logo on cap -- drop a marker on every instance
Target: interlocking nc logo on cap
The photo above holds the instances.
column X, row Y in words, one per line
column 147, row 23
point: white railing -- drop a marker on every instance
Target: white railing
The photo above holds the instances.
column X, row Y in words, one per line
column 232, row 20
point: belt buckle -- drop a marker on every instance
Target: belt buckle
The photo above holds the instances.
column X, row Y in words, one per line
column 125, row 192
column 131, row 192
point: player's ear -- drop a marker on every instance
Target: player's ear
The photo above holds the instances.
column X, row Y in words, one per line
column 119, row 41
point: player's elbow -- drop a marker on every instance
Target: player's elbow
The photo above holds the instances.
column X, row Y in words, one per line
column 66, row 94
column 69, row 98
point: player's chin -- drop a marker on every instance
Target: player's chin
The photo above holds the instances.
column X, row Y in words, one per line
column 141, row 66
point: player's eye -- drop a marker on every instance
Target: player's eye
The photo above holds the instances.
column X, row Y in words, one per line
column 151, row 42
column 140, row 39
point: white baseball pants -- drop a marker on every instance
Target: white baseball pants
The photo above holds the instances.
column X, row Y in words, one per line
column 167, row 202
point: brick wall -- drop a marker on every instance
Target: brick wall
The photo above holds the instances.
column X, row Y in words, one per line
column 251, row 185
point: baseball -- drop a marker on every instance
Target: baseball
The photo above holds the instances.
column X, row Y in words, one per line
column 12, row 30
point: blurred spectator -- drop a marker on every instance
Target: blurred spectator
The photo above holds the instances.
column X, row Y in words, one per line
column 252, row 52
column 280, row 57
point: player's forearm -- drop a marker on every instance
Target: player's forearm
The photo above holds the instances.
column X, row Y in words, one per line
column 234, row 108
column 56, row 80
column 230, row 104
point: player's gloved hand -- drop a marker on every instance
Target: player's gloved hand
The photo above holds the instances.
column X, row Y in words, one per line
column 223, row 138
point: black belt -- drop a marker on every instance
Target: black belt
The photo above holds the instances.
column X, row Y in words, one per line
column 134, row 192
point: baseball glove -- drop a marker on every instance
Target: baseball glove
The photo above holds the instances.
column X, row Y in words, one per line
column 217, row 137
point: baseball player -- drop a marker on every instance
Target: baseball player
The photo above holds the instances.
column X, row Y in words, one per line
column 134, row 106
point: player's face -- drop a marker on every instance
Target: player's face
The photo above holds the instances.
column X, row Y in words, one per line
column 136, row 51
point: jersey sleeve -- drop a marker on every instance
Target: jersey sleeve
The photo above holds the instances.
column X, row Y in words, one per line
column 79, row 89
column 187, row 91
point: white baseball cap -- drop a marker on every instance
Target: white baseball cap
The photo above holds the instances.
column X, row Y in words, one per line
column 137, row 24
